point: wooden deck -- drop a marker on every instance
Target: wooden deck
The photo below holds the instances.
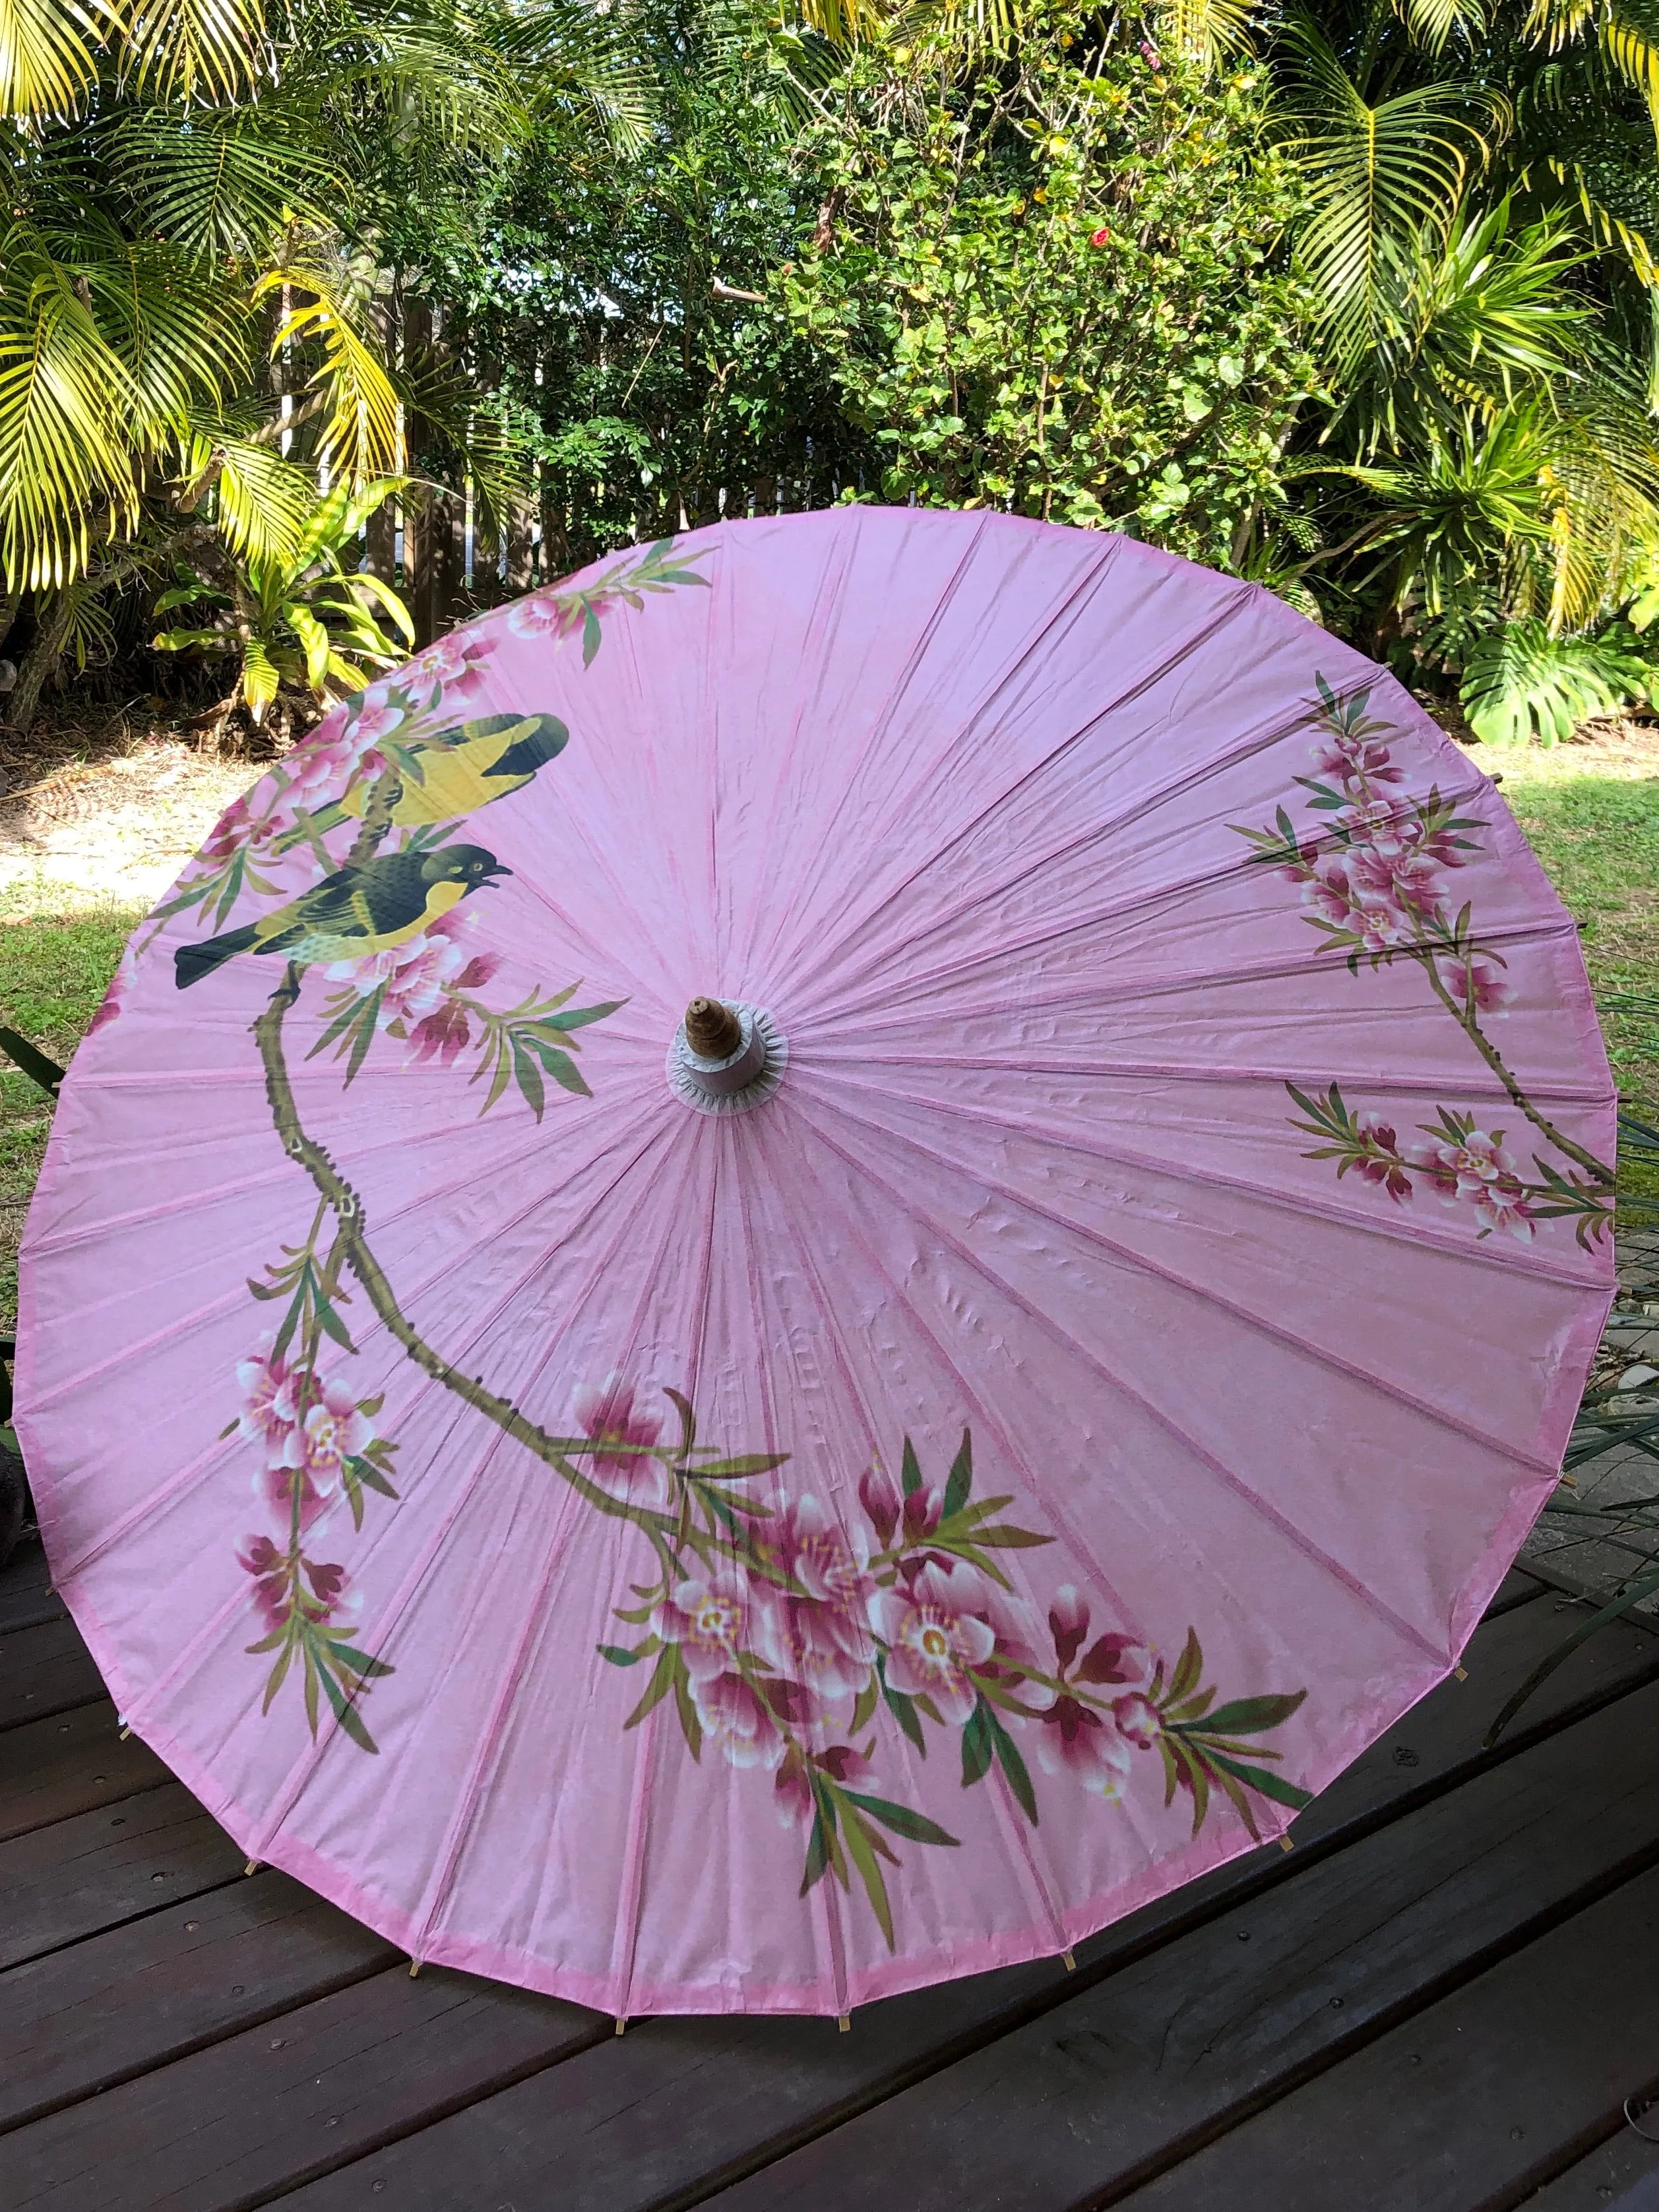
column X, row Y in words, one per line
column 1439, row 2001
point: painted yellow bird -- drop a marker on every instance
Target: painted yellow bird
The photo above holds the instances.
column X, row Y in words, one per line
column 444, row 778
column 367, row 908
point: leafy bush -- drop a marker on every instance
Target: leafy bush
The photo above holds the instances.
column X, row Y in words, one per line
column 1056, row 288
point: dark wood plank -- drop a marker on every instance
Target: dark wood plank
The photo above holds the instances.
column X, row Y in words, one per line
column 1175, row 2028
column 233, row 2125
column 102, row 2011
column 1126, row 2076
column 65, row 1882
column 1516, row 1587
column 46, row 1669
column 26, row 1592
column 1476, row 2102
column 1591, row 2183
column 50, row 1770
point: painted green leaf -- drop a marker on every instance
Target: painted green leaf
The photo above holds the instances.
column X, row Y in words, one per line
column 657, row 1689
column 909, row 1469
column 859, row 1850
column 978, row 1745
column 1009, row 1539
column 960, row 1481
column 618, row 1655
column 915, row 1827
column 818, row 1855
column 1249, row 1716
column 1262, row 1779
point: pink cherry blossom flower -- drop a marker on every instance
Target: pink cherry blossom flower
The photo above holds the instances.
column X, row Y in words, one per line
column 268, row 1566
column 882, row 1503
column 120, row 983
column 1477, row 1171
column 923, row 1508
column 554, row 614
column 264, row 1380
column 609, row 1414
column 823, row 1640
column 450, row 662
column 323, row 1428
column 443, row 1035
column 738, row 1721
column 1138, row 1719
column 1328, row 893
column 414, row 977
column 236, row 827
column 1068, row 1623
column 708, row 1618
column 1074, row 1740
column 1481, row 981
column 935, row 1636
column 1355, row 761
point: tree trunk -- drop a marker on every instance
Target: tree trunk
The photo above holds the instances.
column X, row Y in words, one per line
column 40, row 660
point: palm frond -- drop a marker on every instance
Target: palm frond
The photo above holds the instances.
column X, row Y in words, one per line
column 1431, row 22
column 264, row 501
column 361, row 436
column 48, row 56
column 1208, row 31
column 1378, row 177
column 191, row 49
column 230, row 182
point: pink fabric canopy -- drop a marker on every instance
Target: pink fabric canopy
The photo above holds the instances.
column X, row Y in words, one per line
column 705, row 1551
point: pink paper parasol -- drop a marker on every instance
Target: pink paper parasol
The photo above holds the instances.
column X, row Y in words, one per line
column 873, row 1477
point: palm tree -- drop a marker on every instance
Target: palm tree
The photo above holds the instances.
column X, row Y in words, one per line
column 190, row 346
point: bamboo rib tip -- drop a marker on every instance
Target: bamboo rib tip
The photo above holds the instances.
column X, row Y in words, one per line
column 1287, row 1843
column 1070, row 1960
column 1462, row 1673
column 621, row 2028
column 414, row 1968
column 126, row 1733
column 252, row 1867
column 844, row 2022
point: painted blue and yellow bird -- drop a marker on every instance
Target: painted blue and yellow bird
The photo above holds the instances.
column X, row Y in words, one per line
column 447, row 777
column 367, row 907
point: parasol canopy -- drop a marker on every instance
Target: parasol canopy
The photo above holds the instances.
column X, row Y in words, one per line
column 814, row 1261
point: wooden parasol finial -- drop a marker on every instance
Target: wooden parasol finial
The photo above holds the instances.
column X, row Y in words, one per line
column 711, row 1029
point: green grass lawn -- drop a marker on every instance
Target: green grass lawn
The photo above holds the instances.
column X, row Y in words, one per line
column 1598, row 836
column 54, row 969
column 1593, row 816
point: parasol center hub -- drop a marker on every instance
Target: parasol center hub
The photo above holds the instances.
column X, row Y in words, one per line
column 727, row 1056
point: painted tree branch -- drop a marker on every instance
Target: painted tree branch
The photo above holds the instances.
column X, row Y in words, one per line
column 332, row 1187
column 1495, row 1061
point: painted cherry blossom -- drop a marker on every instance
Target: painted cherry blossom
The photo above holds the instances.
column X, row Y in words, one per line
column 1479, row 982
column 452, row 661
column 554, row 614
column 740, row 1722
column 881, row 1499
column 609, row 1415
column 1075, row 1741
column 320, row 1425
column 413, row 978
column 936, row 1635
column 709, row 1620
column 1138, row 1719
column 269, row 1568
column 823, row 1640
column 1479, row 1170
